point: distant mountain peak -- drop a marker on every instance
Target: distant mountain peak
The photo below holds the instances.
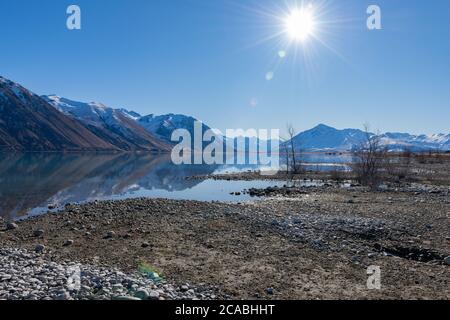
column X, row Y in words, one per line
column 162, row 126
column 322, row 126
column 132, row 114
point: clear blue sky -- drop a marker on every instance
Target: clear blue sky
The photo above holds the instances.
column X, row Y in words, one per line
column 206, row 58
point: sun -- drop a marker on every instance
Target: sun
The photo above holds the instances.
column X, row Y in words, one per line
column 300, row 24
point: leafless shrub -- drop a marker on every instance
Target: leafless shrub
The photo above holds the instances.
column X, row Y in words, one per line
column 431, row 157
column 421, row 158
column 398, row 167
column 337, row 175
column 284, row 150
column 293, row 163
column 371, row 160
column 439, row 156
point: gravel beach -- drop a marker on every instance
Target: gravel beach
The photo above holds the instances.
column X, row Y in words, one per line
column 315, row 243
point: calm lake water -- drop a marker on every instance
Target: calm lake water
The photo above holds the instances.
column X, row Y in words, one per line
column 29, row 183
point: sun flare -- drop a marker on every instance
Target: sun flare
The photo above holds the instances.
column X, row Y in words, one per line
column 300, row 24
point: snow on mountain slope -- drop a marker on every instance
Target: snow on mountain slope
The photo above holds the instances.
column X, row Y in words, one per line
column 401, row 141
column 29, row 123
column 164, row 125
column 326, row 138
column 323, row 137
column 118, row 126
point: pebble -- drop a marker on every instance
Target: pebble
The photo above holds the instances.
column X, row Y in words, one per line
column 447, row 261
column 39, row 248
column 11, row 226
column 126, row 298
column 64, row 295
column 68, row 243
column 154, row 295
column 184, row 288
column 38, row 233
column 110, row 234
column 142, row 294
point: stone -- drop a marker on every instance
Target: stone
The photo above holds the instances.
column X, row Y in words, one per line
column 117, row 286
column 142, row 294
column 127, row 298
column 68, row 243
column 184, row 288
column 39, row 248
column 154, row 295
column 110, row 234
column 145, row 245
column 38, row 233
column 64, row 295
column 11, row 226
column 447, row 261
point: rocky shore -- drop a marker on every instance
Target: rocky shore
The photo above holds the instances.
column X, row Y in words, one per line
column 27, row 276
column 314, row 244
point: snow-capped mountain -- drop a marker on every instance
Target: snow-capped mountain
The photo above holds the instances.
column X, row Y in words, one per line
column 163, row 126
column 29, row 123
column 133, row 115
column 52, row 123
column 405, row 141
column 118, row 126
column 323, row 138
column 326, row 138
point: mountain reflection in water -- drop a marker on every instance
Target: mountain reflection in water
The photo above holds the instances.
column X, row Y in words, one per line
column 33, row 181
column 30, row 182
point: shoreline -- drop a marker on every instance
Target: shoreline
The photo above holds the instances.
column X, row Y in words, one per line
column 316, row 244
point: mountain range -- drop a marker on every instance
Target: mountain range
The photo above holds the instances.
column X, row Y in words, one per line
column 326, row 138
column 29, row 122
column 116, row 126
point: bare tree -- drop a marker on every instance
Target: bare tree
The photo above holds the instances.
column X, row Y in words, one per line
column 284, row 150
column 293, row 151
column 370, row 160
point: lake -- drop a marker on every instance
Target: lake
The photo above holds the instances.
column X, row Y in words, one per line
column 30, row 182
